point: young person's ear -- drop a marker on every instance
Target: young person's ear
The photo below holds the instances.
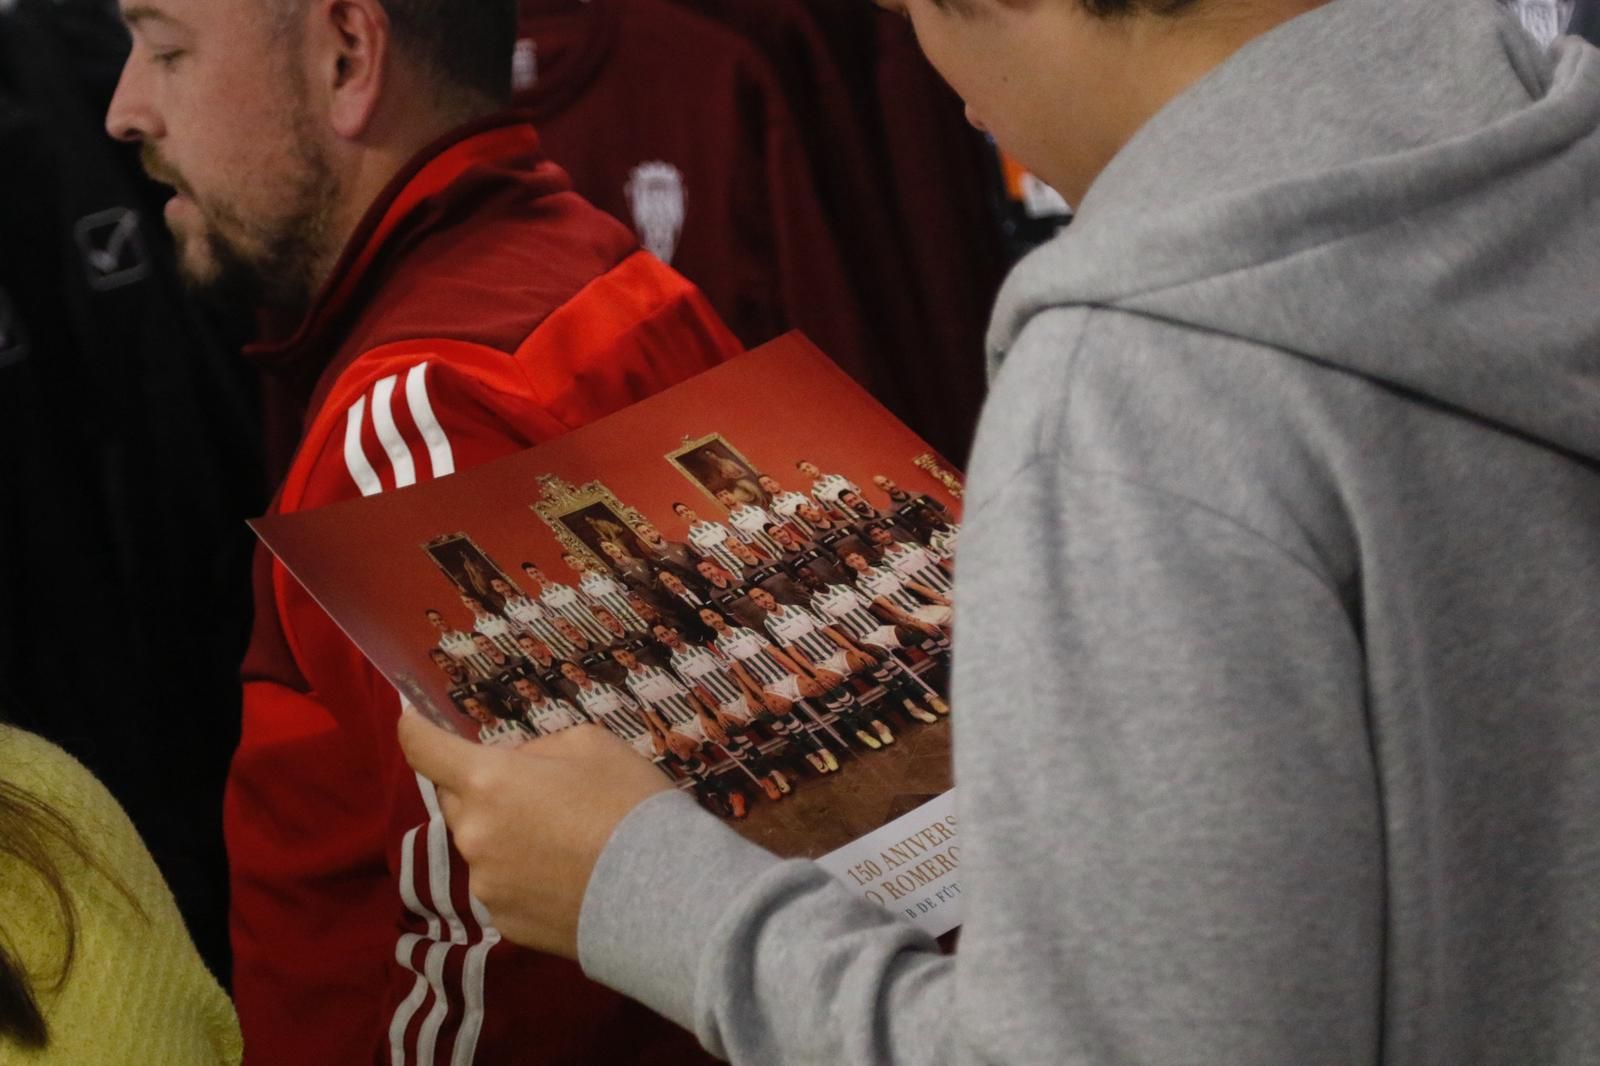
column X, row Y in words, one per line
column 352, row 40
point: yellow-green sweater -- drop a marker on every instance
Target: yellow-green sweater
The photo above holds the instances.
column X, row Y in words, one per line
column 137, row 993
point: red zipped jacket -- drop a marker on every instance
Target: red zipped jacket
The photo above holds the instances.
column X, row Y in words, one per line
column 481, row 308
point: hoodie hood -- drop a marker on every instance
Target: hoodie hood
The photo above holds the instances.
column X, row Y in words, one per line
column 1405, row 189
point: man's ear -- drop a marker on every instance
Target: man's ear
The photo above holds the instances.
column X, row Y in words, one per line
column 349, row 55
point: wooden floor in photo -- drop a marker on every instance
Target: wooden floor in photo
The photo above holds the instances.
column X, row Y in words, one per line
column 869, row 789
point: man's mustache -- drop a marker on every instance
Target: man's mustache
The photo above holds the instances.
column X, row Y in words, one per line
column 160, row 172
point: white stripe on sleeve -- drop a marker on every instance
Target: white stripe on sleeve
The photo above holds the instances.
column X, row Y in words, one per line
column 355, row 458
column 428, row 1035
column 405, row 471
column 408, row 1006
column 406, row 945
column 439, row 863
column 472, row 974
column 443, row 459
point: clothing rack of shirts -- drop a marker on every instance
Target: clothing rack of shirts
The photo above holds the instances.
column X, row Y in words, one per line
column 800, row 162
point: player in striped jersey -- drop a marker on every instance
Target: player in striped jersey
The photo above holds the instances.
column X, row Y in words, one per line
column 621, row 636
column 644, row 607
column 609, row 706
column 711, row 540
column 578, row 644
column 726, row 592
column 830, row 658
column 489, row 661
column 479, row 663
column 693, row 727
column 544, row 713
column 826, row 529
column 786, row 503
column 605, row 590
column 492, row 730
column 503, row 588
column 491, row 625
column 749, row 558
column 447, row 664
column 706, row 672
column 790, row 545
column 827, row 488
column 453, row 642
column 542, row 661
column 564, row 601
column 852, row 613
column 923, row 515
column 461, row 683
column 750, row 522
column 942, row 542
column 534, row 617
column 778, row 682
column 857, row 507
column 910, row 560
column 926, row 606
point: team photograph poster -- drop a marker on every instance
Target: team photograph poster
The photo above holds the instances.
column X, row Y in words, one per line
column 746, row 578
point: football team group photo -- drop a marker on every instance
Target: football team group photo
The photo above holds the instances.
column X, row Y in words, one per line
column 789, row 624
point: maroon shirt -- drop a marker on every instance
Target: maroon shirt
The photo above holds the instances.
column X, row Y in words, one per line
column 703, row 158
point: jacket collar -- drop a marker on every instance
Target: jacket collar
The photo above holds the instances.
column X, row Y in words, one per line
column 297, row 349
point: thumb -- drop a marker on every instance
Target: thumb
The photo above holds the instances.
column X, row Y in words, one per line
column 437, row 754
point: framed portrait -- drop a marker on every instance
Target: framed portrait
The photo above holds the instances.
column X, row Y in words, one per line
column 713, row 464
column 583, row 517
column 467, row 567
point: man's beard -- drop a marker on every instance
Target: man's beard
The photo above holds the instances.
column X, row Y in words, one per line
column 251, row 264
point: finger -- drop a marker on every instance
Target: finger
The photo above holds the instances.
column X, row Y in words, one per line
column 439, row 755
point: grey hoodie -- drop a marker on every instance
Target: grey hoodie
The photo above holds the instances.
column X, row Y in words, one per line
column 1277, row 687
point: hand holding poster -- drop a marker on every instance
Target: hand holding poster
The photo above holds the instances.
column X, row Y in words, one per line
column 747, row 578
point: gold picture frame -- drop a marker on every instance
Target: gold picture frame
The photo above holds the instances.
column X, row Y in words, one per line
column 694, row 460
column 581, row 516
column 466, row 566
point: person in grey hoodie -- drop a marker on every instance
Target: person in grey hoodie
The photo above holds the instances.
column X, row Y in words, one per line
column 1293, row 452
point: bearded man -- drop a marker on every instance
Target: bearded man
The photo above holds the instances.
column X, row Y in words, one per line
column 434, row 296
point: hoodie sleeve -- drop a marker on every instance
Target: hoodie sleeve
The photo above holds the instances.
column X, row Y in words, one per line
column 1171, row 835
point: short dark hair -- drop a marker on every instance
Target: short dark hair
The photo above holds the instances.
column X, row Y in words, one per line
column 467, row 43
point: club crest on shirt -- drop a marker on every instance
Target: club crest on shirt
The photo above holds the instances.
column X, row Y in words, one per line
column 13, row 340
column 659, row 203
column 525, row 65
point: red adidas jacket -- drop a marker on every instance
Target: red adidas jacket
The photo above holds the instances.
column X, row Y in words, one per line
column 481, row 308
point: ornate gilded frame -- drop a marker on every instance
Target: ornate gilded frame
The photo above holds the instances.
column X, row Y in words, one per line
column 461, row 576
column 560, row 500
column 689, row 446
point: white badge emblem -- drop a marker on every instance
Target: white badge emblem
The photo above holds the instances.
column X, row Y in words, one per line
column 113, row 248
column 659, row 202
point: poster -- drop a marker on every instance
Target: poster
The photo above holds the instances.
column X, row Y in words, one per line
column 747, row 578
